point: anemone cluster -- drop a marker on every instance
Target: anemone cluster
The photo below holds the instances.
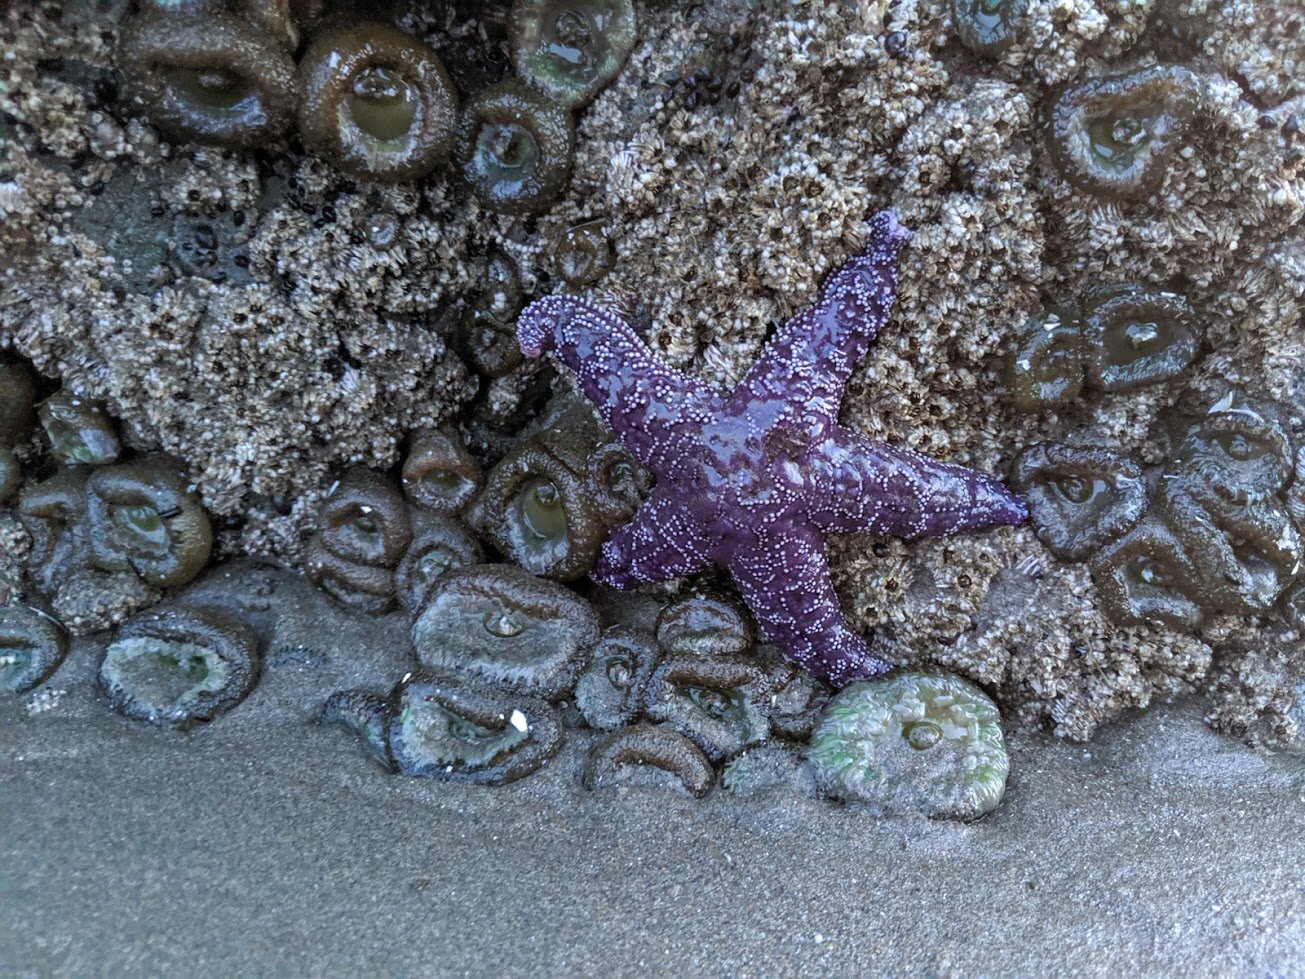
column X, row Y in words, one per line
column 1208, row 531
column 1114, row 339
column 375, row 101
column 107, row 534
column 682, row 705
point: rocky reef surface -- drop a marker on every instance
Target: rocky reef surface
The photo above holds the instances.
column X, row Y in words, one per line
column 310, row 344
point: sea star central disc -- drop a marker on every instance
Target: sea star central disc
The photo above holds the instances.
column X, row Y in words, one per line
column 754, row 480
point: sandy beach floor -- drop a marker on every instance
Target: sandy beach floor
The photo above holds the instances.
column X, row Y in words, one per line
column 266, row 844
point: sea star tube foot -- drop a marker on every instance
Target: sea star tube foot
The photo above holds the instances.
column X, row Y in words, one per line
column 753, row 480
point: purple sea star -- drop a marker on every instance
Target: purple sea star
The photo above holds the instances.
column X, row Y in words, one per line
column 756, row 479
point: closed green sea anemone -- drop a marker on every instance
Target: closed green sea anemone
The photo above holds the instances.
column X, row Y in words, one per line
column 917, row 743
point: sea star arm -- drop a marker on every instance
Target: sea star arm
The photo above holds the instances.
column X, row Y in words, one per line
column 786, row 583
column 867, row 487
column 655, row 411
column 661, row 542
column 805, row 366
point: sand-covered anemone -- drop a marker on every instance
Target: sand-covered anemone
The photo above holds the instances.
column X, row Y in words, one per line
column 79, row 429
column 571, row 49
column 32, row 645
column 442, row 726
column 376, row 102
column 145, row 518
column 364, row 531
column 703, row 623
column 649, row 756
column 364, row 714
column 769, row 769
column 927, row 744
column 515, row 147
column 208, row 76
column 550, row 502
column 1236, row 446
column 719, row 703
column 438, row 472
column 1046, row 365
column 181, row 666
column 988, row 27
column 1137, row 335
column 1079, row 498
column 441, row 544
column 797, row 699
column 1115, row 136
column 506, row 627
column 609, row 693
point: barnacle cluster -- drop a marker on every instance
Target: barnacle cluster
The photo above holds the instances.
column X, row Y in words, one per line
column 1205, row 532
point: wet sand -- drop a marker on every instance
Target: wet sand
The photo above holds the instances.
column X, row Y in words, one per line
column 265, row 844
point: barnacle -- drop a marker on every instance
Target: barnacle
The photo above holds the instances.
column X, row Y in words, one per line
column 1244, row 554
column 1080, row 498
column 503, row 625
column 1235, row 445
column 584, row 254
column 916, row 743
column 644, row 754
column 441, row 544
column 80, row 430
column 1136, row 335
column 1114, row 136
column 53, row 512
column 988, row 27
column 144, row 517
column 718, row 703
column 32, row 645
column 1146, row 577
column 550, row 502
column 610, row 691
column 180, row 666
column 704, row 624
column 208, row 76
column 439, row 473
column 377, row 102
column 515, row 147
column 1046, row 366
column 571, row 49
column 17, row 399
column 442, row 726
column 365, row 714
